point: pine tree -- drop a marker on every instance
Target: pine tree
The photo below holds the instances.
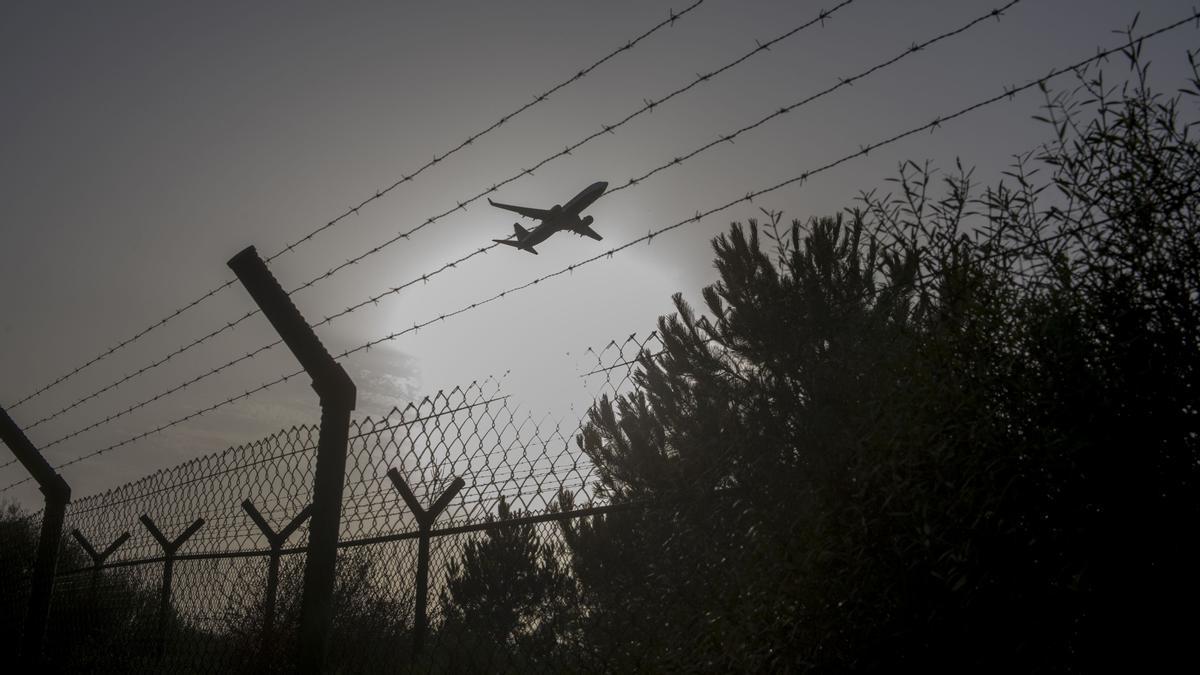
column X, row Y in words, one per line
column 942, row 432
column 507, row 601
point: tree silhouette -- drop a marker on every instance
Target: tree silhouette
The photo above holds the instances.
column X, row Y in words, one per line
column 100, row 621
column 945, row 432
column 507, row 602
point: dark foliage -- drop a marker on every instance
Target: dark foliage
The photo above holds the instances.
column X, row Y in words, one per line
column 947, row 433
column 370, row 624
column 508, row 603
column 103, row 620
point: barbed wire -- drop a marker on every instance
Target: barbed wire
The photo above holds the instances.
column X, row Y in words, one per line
column 670, row 21
column 136, row 336
column 996, row 13
column 929, row 275
column 161, row 395
column 1008, row 94
column 649, row 105
column 151, row 366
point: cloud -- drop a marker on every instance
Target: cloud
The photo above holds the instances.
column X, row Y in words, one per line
column 386, row 379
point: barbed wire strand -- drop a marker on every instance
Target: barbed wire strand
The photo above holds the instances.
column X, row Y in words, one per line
column 995, row 13
column 353, row 210
column 929, row 275
column 649, row 105
column 1008, row 94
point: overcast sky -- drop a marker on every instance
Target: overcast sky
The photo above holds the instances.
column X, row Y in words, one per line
column 146, row 143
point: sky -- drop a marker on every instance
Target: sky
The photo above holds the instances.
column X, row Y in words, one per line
column 146, row 143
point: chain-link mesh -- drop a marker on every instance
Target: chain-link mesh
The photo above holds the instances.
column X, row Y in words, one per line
column 175, row 572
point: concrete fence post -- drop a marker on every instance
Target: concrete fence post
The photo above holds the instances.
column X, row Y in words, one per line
column 337, row 395
column 58, row 495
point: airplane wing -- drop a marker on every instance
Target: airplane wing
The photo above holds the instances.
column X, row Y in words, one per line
column 586, row 231
column 539, row 214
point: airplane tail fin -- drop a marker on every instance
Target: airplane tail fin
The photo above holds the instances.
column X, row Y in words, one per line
column 519, row 231
column 589, row 232
column 515, row 244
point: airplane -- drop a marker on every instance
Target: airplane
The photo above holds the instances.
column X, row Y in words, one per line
column 554, row 219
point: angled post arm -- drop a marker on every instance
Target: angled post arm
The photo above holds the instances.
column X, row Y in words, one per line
column 57, row 494
column 337, row 395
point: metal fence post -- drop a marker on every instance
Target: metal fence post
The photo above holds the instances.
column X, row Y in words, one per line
column 425, row 520
column 58, row 495
column 276, row 540
column 98, row 558
column 169, row 549
column 337, row 395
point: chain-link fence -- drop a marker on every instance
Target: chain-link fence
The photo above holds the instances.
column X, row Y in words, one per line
column 200, row 567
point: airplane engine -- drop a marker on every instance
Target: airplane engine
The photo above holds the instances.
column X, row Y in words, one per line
column 587, row 220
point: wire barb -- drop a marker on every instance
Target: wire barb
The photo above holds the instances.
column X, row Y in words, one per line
column 1007, row 93
column 379, row 193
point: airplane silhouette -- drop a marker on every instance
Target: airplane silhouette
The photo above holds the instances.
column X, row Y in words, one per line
column 554, row 219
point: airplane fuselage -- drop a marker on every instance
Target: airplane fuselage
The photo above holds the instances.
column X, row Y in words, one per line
column 538, row 234
column 562, row 221
column 559, row 218
column 584, row 199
